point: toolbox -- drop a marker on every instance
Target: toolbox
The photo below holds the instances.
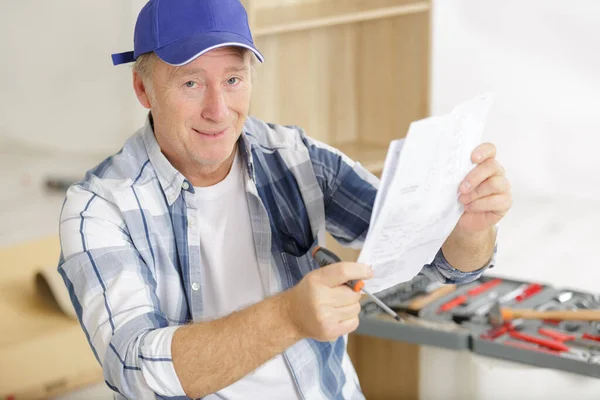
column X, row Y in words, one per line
column 460, row 317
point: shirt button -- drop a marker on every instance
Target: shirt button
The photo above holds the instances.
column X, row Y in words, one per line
column 191, row 221
column 185, row 185
column 195, row 287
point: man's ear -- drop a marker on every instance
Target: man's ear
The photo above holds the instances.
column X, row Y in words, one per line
column 141, row 91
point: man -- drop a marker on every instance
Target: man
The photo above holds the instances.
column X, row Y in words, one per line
column 187, row 254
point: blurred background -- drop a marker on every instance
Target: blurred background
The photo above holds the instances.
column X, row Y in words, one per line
column 64, row 107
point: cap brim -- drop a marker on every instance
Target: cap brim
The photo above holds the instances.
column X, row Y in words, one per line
column 186, row 50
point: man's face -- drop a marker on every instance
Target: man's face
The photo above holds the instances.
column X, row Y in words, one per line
column 199, row 109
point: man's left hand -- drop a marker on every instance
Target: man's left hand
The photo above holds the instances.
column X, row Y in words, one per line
column 485, row 192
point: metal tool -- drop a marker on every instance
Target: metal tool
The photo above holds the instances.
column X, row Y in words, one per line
column 325, row 257
column 587, row 344
column 585, row 341
column 498, row 315
column 512, row 294
column 582, row 304
column 476, row 308
column 563, row 297
column 570, row 326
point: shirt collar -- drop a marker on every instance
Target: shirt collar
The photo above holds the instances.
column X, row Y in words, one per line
column 171, row 180
column 245, row 149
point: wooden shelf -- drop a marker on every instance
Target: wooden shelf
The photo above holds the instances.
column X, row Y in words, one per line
column 298, row 17
column 371, row 156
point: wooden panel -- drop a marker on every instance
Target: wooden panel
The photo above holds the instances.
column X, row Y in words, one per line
column 298, row 16
column 309, row 80
column 386, row 369
column 250, row 7
column 371, row 156
column 43, row 353
column 280, row 3
column 394, row 71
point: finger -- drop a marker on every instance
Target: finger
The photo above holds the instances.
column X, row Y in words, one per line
column 496, row 184
column 344, row 296
column 339, row 273
column 347, row 312
column 483, row 152
column 480, row 173
column 348, row 325
column 497, row 203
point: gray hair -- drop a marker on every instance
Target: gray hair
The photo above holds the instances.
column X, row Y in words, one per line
column 144, row 64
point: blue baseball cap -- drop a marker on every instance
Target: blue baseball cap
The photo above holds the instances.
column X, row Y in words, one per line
column 179, row 31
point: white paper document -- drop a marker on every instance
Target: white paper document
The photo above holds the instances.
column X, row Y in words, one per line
column 417, row 207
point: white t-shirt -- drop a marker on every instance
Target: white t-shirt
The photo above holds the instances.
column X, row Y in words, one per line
column 231, row 279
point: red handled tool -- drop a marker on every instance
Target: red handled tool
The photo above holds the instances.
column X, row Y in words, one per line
column 495, row 333
column 550, row 344
column 555, row 335
column 526, row 346
column 476, row 291
column 529, row 291
column 590, row 337
column 455, row 302
column 587, row 341
column 325, row 257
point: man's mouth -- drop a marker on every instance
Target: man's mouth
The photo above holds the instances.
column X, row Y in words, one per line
column 213, row 134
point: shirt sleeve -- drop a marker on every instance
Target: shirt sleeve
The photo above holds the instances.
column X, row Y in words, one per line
column 441, row 270
column 349, row 192
column 113, row 292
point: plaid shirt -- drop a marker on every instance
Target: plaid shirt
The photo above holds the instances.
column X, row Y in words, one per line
column 131, row 255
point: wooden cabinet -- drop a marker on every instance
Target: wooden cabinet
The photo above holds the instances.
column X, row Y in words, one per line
column 353, row 74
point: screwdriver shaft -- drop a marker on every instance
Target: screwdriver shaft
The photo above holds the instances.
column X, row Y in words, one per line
column 381, row 304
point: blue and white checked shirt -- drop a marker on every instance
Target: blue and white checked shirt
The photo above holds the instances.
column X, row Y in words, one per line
column 131, row 255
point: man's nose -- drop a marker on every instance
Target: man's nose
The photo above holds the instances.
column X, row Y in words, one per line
column 215, row 107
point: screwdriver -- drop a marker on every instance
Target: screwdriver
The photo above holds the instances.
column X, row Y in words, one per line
column 325, row 257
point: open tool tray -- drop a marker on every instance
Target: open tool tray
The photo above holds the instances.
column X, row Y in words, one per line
column 459, row 320
column 577, row 343
column 412, row 328
column 415, row 330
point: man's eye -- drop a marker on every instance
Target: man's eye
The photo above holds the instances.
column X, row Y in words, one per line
column 190, row 84
column 232, row 81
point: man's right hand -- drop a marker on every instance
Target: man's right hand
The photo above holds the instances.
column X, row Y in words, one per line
column 321, row 306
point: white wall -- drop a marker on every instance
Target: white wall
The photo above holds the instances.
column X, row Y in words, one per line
column 58, row 88
column 542, row 57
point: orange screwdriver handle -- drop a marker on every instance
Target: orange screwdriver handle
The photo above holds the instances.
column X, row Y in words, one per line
column 325, row 257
